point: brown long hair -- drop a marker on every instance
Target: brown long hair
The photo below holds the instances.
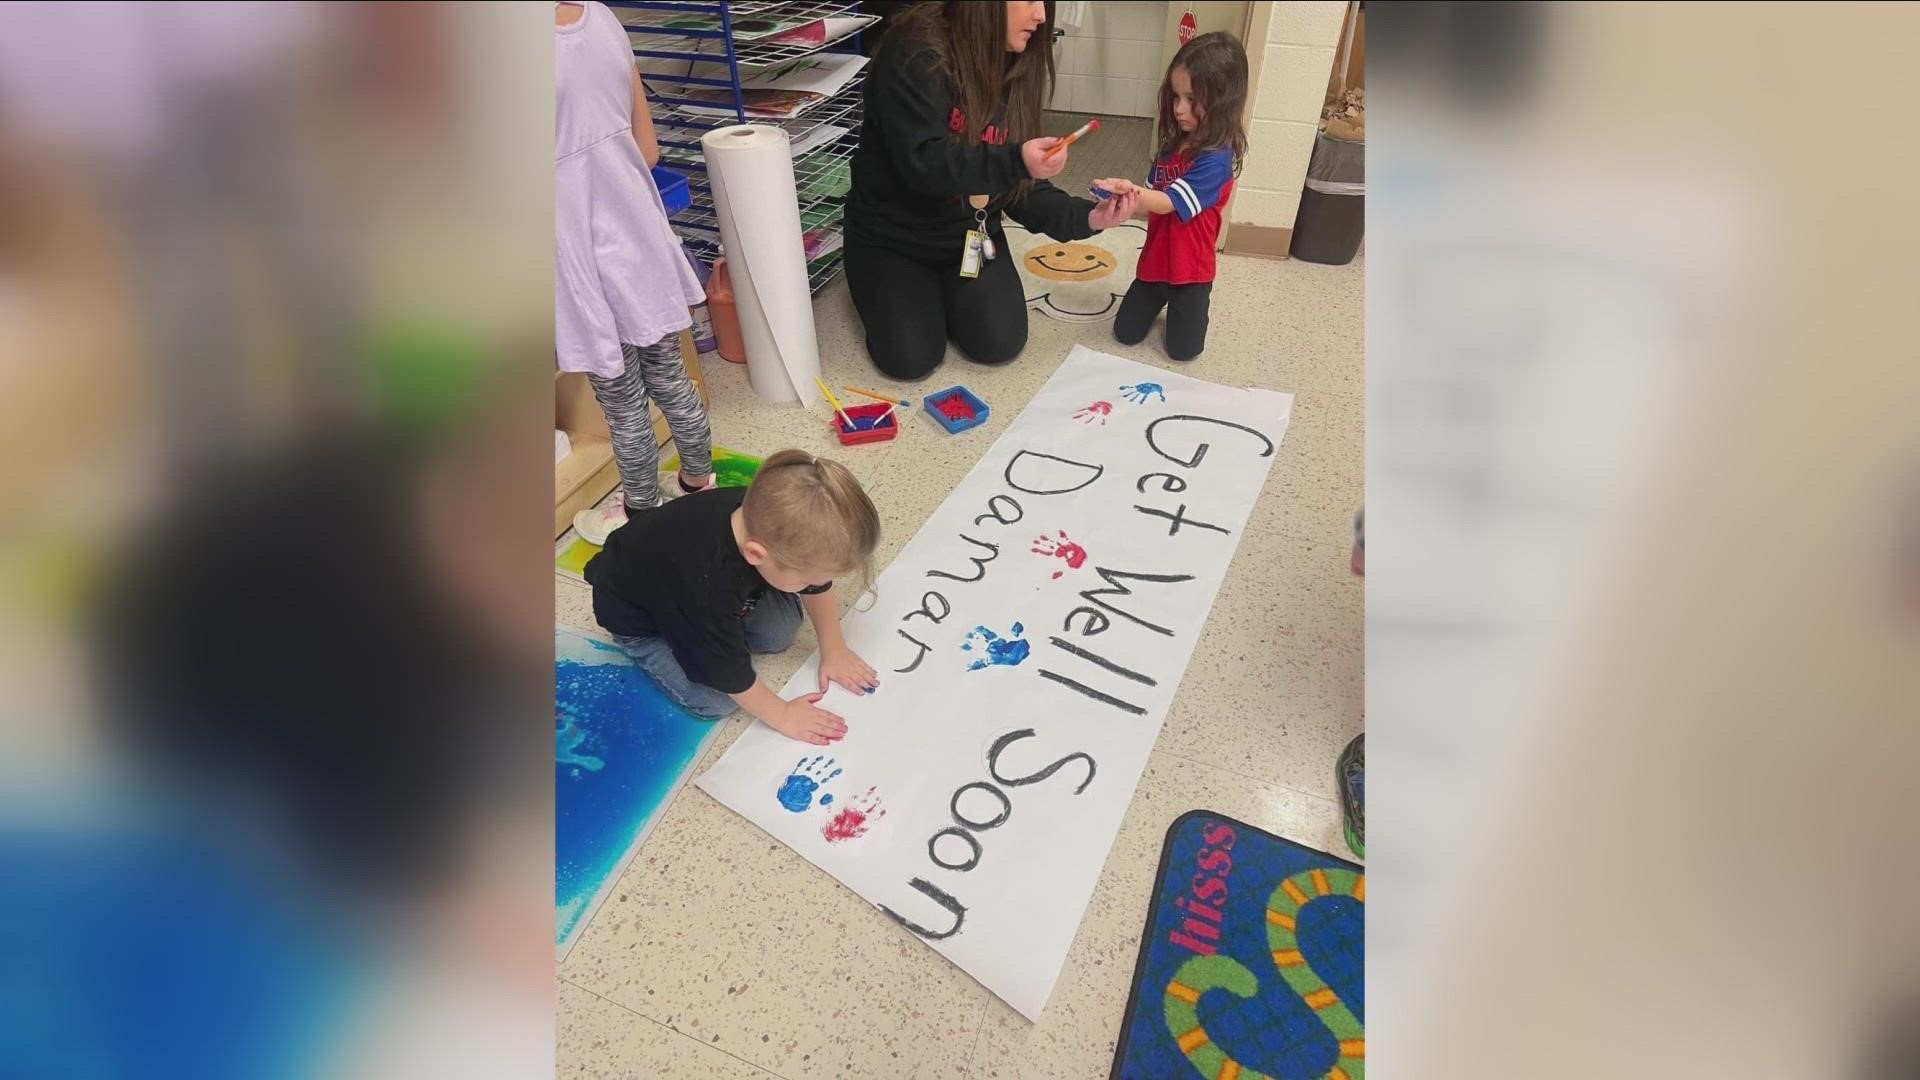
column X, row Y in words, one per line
column 1217, row 67
column 968, row 39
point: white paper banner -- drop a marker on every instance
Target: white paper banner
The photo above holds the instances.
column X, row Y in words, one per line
column 1029, row 640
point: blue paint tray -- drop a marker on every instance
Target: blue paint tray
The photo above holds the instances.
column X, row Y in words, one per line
column 955, row 425
column 673, row 189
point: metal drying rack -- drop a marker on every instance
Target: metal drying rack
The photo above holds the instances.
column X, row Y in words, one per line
column 719, row 46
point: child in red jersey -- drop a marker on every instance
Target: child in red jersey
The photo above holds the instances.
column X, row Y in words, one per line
column 1202, row 142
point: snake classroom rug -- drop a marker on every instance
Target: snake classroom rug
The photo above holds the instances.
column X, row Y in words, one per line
column 622, row 749
column 1253, row 963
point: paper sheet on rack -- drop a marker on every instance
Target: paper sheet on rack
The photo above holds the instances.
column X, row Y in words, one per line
column 821, row 73
column 818, row 136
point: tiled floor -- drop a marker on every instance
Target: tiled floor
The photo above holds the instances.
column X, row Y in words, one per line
column 1122, row 147
column 722, row 953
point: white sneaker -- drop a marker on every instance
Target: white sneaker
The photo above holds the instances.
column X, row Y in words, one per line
column 671, row 487
column 596, row 523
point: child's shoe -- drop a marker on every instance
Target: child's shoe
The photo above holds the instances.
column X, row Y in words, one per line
column 680, row 484
column 1351, row 772
column 596, row 523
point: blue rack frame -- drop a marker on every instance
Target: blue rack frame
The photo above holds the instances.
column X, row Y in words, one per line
column 681, row 132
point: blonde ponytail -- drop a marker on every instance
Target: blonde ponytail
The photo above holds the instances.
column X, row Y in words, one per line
column 811, row 513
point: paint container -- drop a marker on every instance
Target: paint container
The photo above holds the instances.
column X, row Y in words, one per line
column 726, row 315
column 966, row 409
column 675, row 194
column 881, row 431
column 703, row 339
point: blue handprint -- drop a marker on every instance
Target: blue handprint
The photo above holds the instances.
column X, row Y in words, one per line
column 1008, row 651
column 1138, row 393
column 808, row 777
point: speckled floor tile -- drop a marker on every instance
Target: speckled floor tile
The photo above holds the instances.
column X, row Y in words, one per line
column 722, row 934
column 741, row 421
column 1282, row 591
column 573, row 604
column 1075, row 1036
column 731, row 946
column 597, row 1038
column 1288, row 325
column 1275, row 688
column 1319, row 473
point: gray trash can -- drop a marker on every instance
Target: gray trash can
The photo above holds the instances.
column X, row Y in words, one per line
column 1332, row 219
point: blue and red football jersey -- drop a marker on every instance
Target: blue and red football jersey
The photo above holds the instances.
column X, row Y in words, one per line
column 1179, row 246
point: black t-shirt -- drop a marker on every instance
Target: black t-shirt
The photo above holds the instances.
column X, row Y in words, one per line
column 676, row 573
column 912, row 174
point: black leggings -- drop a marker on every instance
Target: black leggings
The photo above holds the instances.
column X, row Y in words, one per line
column 910, row 309
column 1186, row 315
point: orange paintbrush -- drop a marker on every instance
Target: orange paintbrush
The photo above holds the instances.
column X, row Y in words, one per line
column 1089, row 126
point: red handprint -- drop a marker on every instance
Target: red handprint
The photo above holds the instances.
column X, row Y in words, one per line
column 1063, row 548
column 1096, row 412
column 853, row 820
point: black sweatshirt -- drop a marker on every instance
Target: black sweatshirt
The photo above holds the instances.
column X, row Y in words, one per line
column 676, row 573
column 912, row 173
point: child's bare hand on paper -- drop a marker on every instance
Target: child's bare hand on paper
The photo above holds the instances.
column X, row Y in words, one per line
column 842, row 666
column 803, row 719
column 1118, row 186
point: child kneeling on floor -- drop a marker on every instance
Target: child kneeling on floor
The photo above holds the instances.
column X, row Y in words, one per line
column 1202, row 143
column 692, row 589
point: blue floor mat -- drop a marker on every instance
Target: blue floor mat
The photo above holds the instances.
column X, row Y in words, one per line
column 622, row 749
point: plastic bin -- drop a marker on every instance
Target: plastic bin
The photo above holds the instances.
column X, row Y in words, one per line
column 879, row 432
column 1332, row 220
column 967, row 410
column 674, row 191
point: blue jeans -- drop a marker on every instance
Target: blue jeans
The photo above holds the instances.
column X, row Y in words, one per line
column 770, row 629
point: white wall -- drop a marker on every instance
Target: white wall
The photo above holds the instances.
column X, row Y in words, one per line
column 1295, row 56
column 1109, row 65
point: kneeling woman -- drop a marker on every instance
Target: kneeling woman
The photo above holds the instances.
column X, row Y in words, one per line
column 951, row 142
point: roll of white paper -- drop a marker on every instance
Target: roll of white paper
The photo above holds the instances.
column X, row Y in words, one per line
column 750, row 169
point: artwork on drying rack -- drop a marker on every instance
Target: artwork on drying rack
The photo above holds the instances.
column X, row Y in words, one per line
column 822, row 73
column 759, row 104
column 1029, row 639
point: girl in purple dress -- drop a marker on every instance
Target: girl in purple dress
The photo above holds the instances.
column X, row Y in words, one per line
column 622, row 285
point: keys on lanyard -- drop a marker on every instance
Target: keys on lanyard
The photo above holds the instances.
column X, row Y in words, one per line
column 977, row 249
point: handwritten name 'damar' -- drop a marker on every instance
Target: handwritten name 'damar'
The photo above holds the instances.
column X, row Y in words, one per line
column 1077, row 666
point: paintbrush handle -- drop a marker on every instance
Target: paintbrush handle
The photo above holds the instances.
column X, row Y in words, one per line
column 831, row 400
column 874, row 396
column 1073, row 138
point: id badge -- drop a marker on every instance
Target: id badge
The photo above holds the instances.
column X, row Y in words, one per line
column 972, row 253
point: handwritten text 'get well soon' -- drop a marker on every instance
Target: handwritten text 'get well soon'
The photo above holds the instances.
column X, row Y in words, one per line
column 1080, row 668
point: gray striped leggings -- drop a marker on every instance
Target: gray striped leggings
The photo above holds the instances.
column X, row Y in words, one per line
column 653, row 372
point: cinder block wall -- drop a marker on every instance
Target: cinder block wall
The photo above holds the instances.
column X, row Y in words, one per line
column 1290, row 53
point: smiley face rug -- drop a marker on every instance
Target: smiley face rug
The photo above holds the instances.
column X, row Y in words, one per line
column 1081, row 281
